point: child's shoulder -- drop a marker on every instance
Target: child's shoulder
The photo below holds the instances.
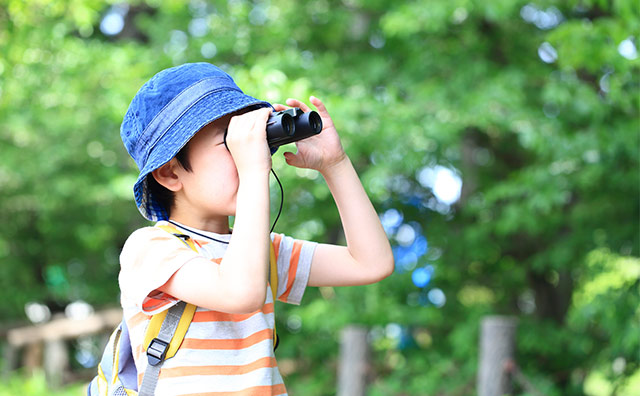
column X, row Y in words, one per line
column 145, row 234
column 148, row 239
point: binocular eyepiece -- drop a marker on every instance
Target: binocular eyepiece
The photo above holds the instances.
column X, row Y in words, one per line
column 291, row 125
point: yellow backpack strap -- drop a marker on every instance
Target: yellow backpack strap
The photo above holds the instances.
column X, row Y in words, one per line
column 156, row 322
column 184, row 238
column 273, row 284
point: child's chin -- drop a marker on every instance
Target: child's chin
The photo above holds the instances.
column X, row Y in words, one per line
column 231, row 211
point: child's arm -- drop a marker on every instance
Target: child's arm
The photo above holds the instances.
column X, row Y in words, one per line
column 367, row 258
column 239, row 283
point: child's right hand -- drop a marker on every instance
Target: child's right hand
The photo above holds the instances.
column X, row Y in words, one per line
column 247, row 142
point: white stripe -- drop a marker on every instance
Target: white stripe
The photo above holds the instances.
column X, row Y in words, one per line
column 283, row 263
column 302, row 273
column 220, row 357
column 217, row 383
column 230, row 330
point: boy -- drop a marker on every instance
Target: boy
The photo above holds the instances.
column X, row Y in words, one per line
column 201, row 147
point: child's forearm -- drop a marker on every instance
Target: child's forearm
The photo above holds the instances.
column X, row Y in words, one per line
column 366, row 240
column 245, row 262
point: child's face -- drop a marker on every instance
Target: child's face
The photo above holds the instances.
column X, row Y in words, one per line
column 209, row 190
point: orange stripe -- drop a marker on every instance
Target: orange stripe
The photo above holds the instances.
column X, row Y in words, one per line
column 266, row 362
column 151, row 304
column 266, row 390
column 215, row 316
column 277, row 238
column 138, row 351
column 137, row 319
column 238, row 343
column 293, row 268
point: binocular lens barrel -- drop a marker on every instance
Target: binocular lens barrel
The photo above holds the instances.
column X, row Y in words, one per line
column 308, row 124
column 302, row 125
column 280, row 126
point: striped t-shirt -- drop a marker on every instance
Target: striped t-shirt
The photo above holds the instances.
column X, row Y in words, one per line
column 222, row 353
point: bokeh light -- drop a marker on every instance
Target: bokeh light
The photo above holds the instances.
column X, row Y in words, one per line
column 113, row 21
column 406, row 235
column 444, row 182
column 437, row 297
column 78, row 310
column 422, row 276
column 547, row 53
column 391, row 220
column 628, row 49
column 37, row 313
column 543, row 19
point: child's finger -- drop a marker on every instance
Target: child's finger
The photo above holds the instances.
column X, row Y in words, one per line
column 279, row 107
column 318, row 104
column 296, row 103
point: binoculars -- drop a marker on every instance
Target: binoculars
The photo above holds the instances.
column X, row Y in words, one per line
column 291, row 125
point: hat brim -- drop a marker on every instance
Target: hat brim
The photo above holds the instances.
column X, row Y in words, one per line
column 206, row 110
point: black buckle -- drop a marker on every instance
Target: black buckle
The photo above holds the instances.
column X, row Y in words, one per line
column 182, row 236
column 156, row 351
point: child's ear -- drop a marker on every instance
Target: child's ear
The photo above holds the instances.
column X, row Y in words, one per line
column 167, row 177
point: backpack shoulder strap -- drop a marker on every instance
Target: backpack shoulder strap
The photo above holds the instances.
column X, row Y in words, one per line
column 273, row 285
column 157, row 348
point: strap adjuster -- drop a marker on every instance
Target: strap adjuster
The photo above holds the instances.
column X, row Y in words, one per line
column 156, row 351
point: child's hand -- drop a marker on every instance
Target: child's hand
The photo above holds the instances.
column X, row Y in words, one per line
column 247, row 141
column 319, row 152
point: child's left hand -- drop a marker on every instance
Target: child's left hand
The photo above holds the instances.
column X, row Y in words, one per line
column 319, row 152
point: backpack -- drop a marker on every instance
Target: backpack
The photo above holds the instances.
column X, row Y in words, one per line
column 117, row 373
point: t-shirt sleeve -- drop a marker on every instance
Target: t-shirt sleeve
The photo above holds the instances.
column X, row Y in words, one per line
column 294, row 265
column 149, row 258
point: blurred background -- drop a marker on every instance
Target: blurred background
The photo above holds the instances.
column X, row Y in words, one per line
column 498, row 141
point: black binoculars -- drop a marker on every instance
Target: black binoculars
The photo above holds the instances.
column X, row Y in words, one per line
column 291, row 125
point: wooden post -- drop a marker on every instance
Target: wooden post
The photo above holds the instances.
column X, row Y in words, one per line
column 32, row 357
column 354, row 361
column 55, row 362
column 10, row 357
column 497, row 346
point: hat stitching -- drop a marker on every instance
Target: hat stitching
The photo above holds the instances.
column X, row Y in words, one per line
column 177, row 96
column 162, row 113
column 167, row 128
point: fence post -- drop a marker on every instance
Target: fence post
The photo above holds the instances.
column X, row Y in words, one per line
column 55, row 362
column 10, row 356
column 354, row 361
column 497, row 346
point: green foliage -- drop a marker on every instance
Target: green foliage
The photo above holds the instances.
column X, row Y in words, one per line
column 545, row 229
column 36, row 385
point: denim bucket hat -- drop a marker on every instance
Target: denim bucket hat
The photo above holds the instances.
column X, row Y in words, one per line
column 167, row 111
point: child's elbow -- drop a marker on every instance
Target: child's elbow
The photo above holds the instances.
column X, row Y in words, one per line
column 384, row 269
column 248, row 300
column 387, row 267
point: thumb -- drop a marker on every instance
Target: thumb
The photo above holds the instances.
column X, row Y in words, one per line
column 293, row 159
